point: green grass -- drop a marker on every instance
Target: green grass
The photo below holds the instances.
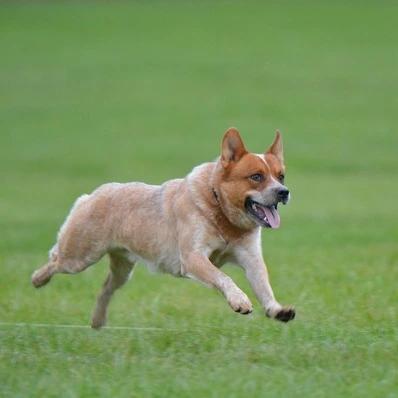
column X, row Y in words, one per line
column 101, row 92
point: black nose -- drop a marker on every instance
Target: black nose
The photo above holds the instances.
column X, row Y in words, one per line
column 283, row 194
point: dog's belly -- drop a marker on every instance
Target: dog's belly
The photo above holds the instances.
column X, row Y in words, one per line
column 168, row 263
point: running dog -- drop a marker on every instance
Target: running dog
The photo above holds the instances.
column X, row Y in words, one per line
column 187, row 227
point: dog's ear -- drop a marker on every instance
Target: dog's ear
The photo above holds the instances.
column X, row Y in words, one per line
column 232, row 149
column 277, row 147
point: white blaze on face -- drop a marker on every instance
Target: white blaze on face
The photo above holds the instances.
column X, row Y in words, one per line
column 262, row 157
column 274, row 186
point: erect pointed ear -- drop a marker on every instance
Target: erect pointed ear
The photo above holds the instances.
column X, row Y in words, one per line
column 232, row 149
column 277, row 147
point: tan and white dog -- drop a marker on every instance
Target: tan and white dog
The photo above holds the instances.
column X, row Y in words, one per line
column 187, row 227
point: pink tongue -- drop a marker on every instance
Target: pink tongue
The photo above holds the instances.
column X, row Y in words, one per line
column 272, row 216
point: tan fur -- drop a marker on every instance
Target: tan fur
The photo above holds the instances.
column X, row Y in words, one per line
column 187, row 227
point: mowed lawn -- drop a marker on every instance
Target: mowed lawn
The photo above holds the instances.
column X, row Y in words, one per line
column 97, row 92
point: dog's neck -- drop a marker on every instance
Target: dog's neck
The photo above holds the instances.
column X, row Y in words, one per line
column 228, row 230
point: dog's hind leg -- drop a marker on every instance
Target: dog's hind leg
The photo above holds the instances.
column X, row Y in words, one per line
column 69, row 256
column 44, row 274
column 82, row 241
column 120, row 271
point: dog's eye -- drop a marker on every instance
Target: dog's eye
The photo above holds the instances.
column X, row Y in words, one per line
column 282, row 178
column 257, row 177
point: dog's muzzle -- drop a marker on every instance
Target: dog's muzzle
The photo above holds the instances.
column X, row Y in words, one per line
column 283, row 195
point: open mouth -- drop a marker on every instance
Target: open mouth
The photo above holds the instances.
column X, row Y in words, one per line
column 265, row 216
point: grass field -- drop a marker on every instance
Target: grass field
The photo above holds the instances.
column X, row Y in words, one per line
column 96, row 92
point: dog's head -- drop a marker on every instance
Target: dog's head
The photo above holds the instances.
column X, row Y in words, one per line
column 252, row 185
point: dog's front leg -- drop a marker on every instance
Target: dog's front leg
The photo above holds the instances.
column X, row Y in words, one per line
column 256, row 272
column 198, row 266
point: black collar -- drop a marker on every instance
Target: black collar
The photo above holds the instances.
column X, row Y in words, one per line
column 215, row 195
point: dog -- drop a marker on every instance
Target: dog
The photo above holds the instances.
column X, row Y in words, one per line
column 187, row 227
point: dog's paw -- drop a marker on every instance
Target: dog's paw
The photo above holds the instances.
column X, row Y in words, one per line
column 40, row 278
column 239, row 302
column 284, row 314
column 98, row 319
column 98, row 323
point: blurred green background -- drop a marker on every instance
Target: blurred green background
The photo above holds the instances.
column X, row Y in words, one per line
column 92, row 92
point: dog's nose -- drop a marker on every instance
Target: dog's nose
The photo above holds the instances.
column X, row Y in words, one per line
column 283, row 194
